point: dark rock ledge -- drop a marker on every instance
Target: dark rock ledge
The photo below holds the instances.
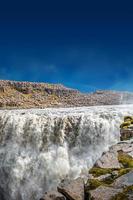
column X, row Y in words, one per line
column 126, row 128
column 67, row 190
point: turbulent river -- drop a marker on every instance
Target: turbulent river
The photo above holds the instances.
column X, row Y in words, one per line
column 38, row 148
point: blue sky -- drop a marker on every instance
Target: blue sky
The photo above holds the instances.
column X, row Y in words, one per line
column 86, row 45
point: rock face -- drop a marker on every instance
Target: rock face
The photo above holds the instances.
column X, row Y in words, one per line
column 111, row 177
column 15, row 94
column 106, row 181
column 108, row 160
column 126, row 128
column 74, row 190
column 124, row 181
column 126, row 134
column 114, row 181
column 67, row 190
column 104, row 193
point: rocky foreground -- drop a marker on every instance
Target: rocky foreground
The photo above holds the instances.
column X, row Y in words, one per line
column 15, row 94
column 111, row 177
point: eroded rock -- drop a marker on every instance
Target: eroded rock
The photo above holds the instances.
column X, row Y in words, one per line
column 73, row 190
column 126, row 134
column 104, row 193
column 123, row 181
column 126, row 128
column 108, row 160
column 108, row 181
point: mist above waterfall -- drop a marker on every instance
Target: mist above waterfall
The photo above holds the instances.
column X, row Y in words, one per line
column 126, row 98
column 41, row 147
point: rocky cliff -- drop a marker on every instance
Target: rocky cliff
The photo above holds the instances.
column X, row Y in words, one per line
column 110, row 178
column 15, row 94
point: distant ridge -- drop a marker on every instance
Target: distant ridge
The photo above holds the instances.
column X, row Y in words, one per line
column 16, row 94
column 34, row 84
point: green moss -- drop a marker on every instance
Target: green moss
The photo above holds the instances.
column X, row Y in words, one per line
column 125, row 159
column 125, row 127
column 127, row 118
column 94, row 183
column 127, row 123
column 132, row 121
column 109, row 180
column 124, row 194
column 123, row 171
column 120, row 196
column 127, row 162
column 96, row 171
column 128, row 189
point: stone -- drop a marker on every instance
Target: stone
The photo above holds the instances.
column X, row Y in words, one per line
column 126, row 134
column 103, row 177
column 53, row 195
column 116, row 183
column 126, row 147
column 114, row 173
column 126, row 128
column 108, row 160
column 123, row 181
column 130, row 195
column 104, row 193
column 73, row 190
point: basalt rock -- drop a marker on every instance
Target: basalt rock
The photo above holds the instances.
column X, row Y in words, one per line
column 104, row 193
column 67, row 190
column 126, row 128
column 126, row 134
column 124, row 181
column 73, row 190
column 108, row 160
column 106, row 182
column 114, row 183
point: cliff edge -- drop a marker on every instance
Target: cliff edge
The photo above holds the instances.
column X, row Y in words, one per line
column 15, row 94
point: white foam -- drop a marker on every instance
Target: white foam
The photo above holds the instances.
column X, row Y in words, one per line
column 41, row 147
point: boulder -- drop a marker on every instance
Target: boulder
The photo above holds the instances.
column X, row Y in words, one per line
column 124, row 181
column 112, row 175
column 108, row 160
column 103, row 177
column 125, row 147
column 126, row 134
column 73, row 190
column 104, row 193
column 126, row 128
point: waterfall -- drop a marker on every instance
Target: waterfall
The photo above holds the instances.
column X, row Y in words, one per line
column 38, row 147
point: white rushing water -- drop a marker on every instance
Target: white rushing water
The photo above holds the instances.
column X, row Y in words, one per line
column 38, row 148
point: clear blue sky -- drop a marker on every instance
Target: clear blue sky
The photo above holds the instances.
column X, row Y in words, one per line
column 86, row 45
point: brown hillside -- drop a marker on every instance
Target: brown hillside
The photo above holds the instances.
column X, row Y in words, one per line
column 14, row 94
